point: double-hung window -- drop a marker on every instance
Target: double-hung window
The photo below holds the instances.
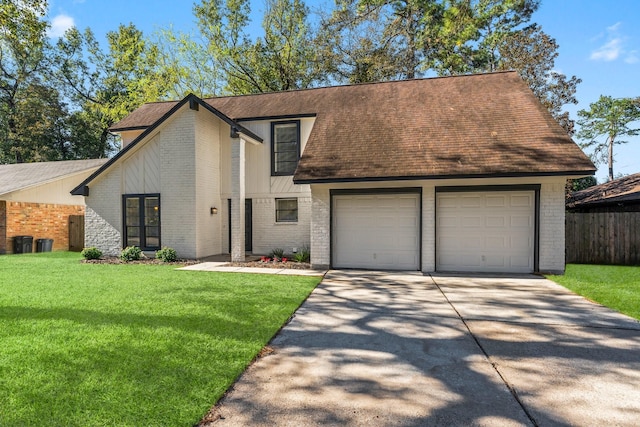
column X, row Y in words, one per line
column 285, row 147
column 142, row 220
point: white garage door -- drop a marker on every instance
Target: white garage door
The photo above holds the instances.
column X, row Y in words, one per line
column 376, row 231
column 485, row 231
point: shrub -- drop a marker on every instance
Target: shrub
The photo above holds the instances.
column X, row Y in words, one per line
column 277, row 253
column 131, row 253
column 303, row 255
column 167, row 254
column 91, row 253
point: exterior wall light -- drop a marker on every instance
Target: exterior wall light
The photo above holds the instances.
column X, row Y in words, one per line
column 214, row 211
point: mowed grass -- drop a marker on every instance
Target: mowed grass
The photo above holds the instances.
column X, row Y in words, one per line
column 128, row 345
column 616, row 287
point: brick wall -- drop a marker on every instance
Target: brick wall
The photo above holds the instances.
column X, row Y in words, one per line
column 552, row 209
column 3, row 227
column 40, row 220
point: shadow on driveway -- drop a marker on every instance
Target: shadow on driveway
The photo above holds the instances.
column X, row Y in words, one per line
column 379, row 349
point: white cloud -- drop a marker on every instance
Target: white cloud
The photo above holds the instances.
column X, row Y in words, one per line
column 610, row 51
column 632, row 57
column 615, row 27
column 614, row 47
column 60, row 24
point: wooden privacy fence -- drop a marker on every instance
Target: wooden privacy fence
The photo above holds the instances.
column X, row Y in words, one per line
column 603, row 238
column 76, row 233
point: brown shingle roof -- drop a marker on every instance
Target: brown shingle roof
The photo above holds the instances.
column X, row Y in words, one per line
column 475, row 125
column 625, row 189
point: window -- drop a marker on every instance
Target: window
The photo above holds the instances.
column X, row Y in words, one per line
column 285, row 147
column 142, row 220
column 286, row 210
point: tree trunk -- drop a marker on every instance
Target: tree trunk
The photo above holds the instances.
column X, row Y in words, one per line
column 611, row 157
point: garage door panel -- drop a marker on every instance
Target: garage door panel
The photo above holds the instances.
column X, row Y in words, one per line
column 495, row 221
column 376, row 231
column 485, row 231
column 496, row 201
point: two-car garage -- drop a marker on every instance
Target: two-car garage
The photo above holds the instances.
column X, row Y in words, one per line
column 483, row 230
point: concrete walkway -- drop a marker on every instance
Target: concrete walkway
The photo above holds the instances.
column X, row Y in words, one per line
column 224, row 267
column 384, row 349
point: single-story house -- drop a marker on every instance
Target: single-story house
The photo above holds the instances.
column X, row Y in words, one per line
column 618, row 195
column 35, row 200
column 461, row 173
column 603, row 223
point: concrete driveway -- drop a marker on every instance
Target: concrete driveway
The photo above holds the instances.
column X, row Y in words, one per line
column 383, row 349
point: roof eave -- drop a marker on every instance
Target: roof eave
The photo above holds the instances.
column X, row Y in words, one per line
column 440, row 177
column 83, row 188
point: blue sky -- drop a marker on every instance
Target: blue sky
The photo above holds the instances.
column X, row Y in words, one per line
column 599, row 42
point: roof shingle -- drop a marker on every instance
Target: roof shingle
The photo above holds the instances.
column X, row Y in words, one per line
column 19, row 176
column 463, row 126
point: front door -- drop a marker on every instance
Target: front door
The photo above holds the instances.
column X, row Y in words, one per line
column 248, row 225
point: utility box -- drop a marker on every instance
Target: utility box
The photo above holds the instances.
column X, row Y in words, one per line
column 23, row 244
column 44, row 245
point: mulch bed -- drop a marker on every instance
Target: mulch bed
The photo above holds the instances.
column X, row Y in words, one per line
column 117, row 260
column 257, row 264
column 271, row 264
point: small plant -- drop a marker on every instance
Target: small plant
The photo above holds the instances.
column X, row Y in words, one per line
column 303, row 255
column 167, row 254
column 131, row 253
column 265, row 259
column 91, row 253
column 277, row 253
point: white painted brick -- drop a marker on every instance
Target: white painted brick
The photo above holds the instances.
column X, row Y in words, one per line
column 320, row 227
column 552, row 210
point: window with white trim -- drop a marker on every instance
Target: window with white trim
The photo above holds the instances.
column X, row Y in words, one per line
column 286, row 210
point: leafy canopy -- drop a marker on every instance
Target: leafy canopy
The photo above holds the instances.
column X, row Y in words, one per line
column 605, row 122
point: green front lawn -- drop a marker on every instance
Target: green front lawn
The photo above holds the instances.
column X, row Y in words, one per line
column 128, row 345
column 614, row 286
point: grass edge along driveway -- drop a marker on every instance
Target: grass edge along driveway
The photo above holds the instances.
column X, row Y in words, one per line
column 614, row 286
column 129, row 345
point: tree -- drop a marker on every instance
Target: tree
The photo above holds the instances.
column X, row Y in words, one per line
column 371, row 40
column 283, row 59
column 193, row 69
column 532, row 53
column 23, row 63
column 109, row 85
column 609, row 118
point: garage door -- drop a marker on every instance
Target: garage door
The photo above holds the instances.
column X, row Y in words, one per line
column 376, row 231
column 485, row 231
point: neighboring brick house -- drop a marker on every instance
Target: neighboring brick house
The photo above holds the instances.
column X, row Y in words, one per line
column 35, row 200
column 446, row 174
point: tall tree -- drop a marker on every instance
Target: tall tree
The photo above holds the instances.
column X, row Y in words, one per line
column 23, row 64
column 193, row 69
column 109, row 85
column 447, row 37
column 611, row 119
column 283, row 59
column 532, row 53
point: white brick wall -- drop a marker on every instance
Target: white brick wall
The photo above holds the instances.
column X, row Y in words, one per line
column 207, row 185
column 101, row 234
column 428, row 228
column 103, row 215
column 269, row 234
column 320, row 226
column 552, row 209
column 177, row 195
